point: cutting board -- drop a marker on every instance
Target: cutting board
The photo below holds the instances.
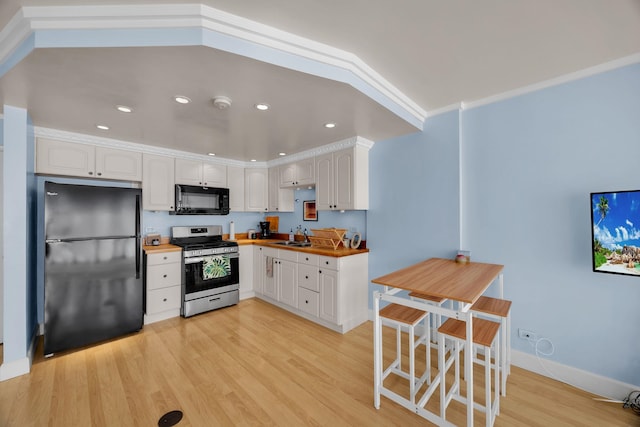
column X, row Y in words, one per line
column 273, row 223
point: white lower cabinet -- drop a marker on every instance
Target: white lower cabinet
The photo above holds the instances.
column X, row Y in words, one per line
column 163, row 278
column 331, row 291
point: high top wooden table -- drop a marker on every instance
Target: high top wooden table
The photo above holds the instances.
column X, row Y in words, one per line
column 463, row 283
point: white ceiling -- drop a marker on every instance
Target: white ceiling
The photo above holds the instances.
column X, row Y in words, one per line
column 435, row 53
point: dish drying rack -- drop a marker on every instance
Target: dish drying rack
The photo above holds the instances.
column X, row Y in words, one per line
column 327, row 237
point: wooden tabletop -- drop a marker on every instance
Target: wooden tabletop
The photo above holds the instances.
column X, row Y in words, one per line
column 444, row 278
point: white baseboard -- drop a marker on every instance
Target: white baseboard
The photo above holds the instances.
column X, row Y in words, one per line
column 587, row 381
column 22, row 366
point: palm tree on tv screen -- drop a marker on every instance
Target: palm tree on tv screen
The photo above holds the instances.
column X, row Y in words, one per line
column 603, row 207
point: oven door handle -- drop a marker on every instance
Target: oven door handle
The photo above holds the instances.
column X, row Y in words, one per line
column 197, row 259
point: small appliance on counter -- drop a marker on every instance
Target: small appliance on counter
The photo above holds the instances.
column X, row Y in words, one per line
column 152, row 240
column 265, row 231
column 252, row 234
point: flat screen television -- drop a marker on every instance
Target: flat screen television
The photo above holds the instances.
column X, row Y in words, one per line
column 615, row 232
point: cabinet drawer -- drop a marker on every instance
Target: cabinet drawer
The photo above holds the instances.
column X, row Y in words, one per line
column 163, row 275
column 328, row 262
column 164, row 258
column 160, row 300
column 309, row 259
column 288, row 255
column 308, row 277
column 308, row 301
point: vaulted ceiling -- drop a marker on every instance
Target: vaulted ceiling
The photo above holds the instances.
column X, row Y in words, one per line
column 376, row 68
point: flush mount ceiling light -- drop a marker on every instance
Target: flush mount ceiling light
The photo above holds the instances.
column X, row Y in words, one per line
column 181, row 99
column 282, row 154
column 262, row 106
column 329, row 125
column 212, row 154
column 253, row 160
column 124, row 109
column 102, row 127
column 222, row 102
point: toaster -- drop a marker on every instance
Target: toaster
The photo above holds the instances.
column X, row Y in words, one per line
column 152, row 240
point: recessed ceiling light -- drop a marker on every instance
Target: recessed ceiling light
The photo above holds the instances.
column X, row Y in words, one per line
column 329, row 125
column 212, row 154
column 181, row 99
column 253, row 160
column 102, row 127
column 282, row 154
column 262, row 106
column 124, row 108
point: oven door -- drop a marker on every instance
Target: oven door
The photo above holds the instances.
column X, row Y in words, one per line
column 210, row 274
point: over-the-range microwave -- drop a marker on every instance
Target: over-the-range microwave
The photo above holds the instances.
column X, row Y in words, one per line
column 195, row 200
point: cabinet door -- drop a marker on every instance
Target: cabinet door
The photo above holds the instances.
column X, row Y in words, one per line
column 188, row 172
column 287, row 281
column 214, row 175
column 118, row 164
column 235, row 182
column 269, row 280
column 64, row 158
column 157, row 183
column 287, row 175
column 324, row 182
column 274, row 187
column 328, row 281
column 256, row 186
column 343, row 173
column 246, row 271
column 259, row 269
column 306, row 172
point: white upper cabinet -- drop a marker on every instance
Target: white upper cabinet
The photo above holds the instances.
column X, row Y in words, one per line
column 280, row 199
column 194, row 172
column 235, row 182
column 87, row 161
column 342, row 180
column 256, row 190
column 158, row 183
column 299, row 173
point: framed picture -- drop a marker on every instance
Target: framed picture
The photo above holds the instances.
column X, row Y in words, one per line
column 309, row 211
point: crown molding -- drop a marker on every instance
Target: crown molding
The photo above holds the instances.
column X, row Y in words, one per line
column 587, row 72
column 300, row 54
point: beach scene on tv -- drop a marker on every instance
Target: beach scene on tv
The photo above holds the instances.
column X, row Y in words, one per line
column 616, row 232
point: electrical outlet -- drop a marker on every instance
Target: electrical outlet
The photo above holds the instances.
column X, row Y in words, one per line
column 527, row 335
column 150, row 229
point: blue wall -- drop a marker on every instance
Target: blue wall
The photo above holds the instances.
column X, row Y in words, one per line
column 529, row 165
column 414, row 197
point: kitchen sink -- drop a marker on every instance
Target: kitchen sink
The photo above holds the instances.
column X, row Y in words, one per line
column 294, row 244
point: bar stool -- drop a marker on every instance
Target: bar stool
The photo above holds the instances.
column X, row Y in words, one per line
column 485, row 335
column 499, row 309
column 401, row 315
column 436, row 317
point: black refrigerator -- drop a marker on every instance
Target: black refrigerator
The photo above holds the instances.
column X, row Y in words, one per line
column 93, row 288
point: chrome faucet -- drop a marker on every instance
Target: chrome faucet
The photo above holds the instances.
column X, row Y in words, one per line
column 306, row 236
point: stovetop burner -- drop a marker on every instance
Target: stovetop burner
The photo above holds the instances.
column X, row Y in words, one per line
column 201, row 240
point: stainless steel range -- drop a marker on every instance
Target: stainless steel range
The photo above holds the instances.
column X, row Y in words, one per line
column 210, row 268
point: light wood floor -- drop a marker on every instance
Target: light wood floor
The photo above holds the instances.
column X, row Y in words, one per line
column 254, row 364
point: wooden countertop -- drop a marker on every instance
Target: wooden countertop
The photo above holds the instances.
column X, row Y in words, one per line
column 165, row 247
column 444, row 278
column 340, row 252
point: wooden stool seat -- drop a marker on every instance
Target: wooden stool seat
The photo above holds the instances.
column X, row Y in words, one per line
column 484, row 331
column 426, row 297
column 494, row 306
column 402, row 314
